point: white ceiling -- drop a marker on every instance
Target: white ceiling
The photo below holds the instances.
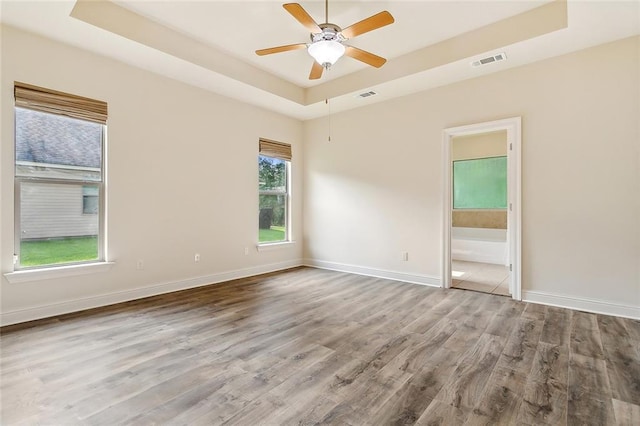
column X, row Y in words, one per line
column 230, row 32
column 241, row 27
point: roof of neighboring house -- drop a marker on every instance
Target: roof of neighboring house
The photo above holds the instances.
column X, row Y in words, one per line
column 56, row 139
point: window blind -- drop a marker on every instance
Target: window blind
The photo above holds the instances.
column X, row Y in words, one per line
column 54, row 102
column 275, row 149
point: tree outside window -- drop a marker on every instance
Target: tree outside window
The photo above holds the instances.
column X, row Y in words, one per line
column 273, row 199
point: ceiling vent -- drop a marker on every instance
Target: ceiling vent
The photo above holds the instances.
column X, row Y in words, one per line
column 366, row 94
column 489, row 59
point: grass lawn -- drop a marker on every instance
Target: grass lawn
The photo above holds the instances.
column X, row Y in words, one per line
column 63, row 250
column 276, row 233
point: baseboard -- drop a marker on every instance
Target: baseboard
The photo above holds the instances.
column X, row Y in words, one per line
column 39, row 312
column 373, row 272
column 45, row 311
column 582, row 304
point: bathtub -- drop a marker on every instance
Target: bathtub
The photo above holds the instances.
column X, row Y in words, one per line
column 480, row 245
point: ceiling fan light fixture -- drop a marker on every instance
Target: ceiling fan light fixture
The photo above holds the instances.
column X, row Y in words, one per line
column 326, row 52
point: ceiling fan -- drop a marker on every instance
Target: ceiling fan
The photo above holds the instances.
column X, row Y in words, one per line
column 327, row 40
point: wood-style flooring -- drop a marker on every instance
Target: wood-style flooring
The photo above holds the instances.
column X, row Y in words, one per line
column 309, row 346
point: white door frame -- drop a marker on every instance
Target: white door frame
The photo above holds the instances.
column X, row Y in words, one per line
column 514, row 184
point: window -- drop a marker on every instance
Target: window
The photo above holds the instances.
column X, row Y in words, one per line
column 90, row 199
column 59, row 176
column 480, row 183
column 274, row 191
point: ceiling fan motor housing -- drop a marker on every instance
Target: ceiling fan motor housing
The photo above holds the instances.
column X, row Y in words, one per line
column 330, row 32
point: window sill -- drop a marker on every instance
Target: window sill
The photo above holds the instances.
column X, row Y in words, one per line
column 275, row 246
column 57, row 272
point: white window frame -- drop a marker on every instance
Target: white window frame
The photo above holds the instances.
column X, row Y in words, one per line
column 89, row 196
column 287, row 194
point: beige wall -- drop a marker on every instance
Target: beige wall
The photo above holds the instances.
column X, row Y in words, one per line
column 491, row 144
column 176, row 154
column 182, row 174
column 580, row 153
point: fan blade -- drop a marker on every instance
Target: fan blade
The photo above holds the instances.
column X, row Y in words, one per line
column 279, row 49
column 316, row 71
column 371, row 23
column 302, row 16
column 364, row 56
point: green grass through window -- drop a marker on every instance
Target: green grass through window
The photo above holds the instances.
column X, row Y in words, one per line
column 276, row 233
column 59, row 250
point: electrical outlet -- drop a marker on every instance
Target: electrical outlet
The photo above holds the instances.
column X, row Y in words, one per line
column 196, row 257
column 246, row 251
column 404, row 256
column 140, row 265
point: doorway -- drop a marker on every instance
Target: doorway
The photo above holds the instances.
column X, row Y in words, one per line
column 481, row 224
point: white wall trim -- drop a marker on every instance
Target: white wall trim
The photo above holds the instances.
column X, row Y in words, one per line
column 44, row 311
column 374, row 272
column 275, row 246
column 513, row 127
column 582, row 304
column 28, row 275
column 39, row 312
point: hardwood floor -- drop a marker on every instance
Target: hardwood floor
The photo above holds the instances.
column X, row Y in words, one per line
column 309, row 346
